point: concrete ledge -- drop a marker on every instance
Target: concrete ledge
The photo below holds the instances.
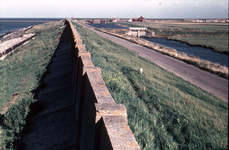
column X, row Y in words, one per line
column 86, row 61
column 8, row 46
column 13, row 34
column 79, row 41
column 80, row 47
column 98, row 86
column 88, row 54
column 119, row 133
column 91, row 69
column 106, row 109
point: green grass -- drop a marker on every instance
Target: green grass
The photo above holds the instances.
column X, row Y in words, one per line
column 20, row 73
column 208, row 27
column 164, row 111
column 214, row 35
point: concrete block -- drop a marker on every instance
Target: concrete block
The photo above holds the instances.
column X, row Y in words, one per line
column 92, row 70
column 79, row 41
column 104, row 98
column 106, row 109
column 102, row 94
column 120, row 135
column 80, row 47
column 8, row 46
column 76, row 36
column 86, row 61
column 98, row 86
column 84, row 54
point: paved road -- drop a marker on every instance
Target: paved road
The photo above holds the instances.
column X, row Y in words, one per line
column 205, row 80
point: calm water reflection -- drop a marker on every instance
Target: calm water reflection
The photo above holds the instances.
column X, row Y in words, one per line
column 201, row 52
column 109, row 25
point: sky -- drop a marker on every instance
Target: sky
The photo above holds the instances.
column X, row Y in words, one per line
column 114, row 8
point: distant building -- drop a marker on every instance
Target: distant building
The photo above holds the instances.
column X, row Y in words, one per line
column 104, row 21
column 96, row 21
column 134, row 19
column 150, row 33
column 130, row 20
column 113, row 20
column 141, row 19
column 198, row 20
column 89, row 21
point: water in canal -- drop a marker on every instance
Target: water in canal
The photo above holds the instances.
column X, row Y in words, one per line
column 109, row 25
column 198, row 51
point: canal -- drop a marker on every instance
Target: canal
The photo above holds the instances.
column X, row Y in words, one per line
column 198, row 51
column 109, row 25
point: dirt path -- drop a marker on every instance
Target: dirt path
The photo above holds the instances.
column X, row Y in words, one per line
column 205, row 80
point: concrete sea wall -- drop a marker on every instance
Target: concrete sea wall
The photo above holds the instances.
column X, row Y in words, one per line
column 8, row 46
column 102, row 124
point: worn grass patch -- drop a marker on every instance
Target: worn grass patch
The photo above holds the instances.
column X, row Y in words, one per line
column 20, row 73
column 164, row 111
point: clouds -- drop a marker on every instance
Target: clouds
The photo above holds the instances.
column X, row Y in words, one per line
column 115, row 8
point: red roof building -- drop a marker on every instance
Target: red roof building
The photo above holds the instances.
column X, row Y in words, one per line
column 141, row 19
column 113, row 20
column 134, row 19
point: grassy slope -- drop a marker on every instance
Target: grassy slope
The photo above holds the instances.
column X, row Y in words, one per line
column 164, row 111
column 214, row 35
column 20, row 73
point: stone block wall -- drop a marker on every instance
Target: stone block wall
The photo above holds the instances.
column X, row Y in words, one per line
column 101, row 123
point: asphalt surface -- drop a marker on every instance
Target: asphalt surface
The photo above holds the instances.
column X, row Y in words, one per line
column 205, row 80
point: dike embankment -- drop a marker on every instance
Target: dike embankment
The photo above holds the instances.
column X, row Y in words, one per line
column 11, row 41
column 102, row 122
column 76, row 110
